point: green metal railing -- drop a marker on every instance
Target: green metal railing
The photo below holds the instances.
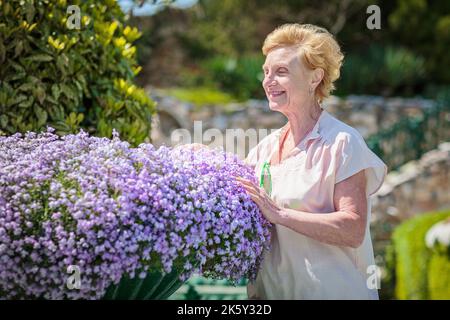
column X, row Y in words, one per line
column 200, row 288
column 411, row 137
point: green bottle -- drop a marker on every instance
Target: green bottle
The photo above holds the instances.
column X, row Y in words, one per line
column 265, row 180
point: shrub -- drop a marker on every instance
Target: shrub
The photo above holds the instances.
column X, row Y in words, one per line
column 379, row 70
column 418, row 270
column 70, row 78
column 439, row 276
column 241, row 77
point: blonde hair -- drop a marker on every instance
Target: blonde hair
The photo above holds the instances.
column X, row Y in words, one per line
column 317, row 49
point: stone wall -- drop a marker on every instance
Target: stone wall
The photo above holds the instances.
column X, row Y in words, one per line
column 368, row 114
column 417, row 187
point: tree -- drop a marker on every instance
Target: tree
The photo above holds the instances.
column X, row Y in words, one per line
column 70, row 66
column 430, row 21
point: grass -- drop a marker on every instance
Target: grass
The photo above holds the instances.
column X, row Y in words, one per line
column 200, row 96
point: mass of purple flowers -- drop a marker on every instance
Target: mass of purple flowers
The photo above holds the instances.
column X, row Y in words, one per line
column 113, row 210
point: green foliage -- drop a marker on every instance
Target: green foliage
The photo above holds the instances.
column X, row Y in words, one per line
column 66, row 77
column 387, row 290
column 381, row 70
column 424, row 26
column 407, row 55
column 439, row 276
column 418, row 269
column 200, row 96
column 211, row 32
column 240, row 77
column 409, row 138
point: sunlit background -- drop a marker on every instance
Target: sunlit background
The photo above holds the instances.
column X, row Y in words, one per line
column 394, row 89
column 171, row 63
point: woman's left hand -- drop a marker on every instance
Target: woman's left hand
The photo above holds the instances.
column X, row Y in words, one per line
column 266, row 205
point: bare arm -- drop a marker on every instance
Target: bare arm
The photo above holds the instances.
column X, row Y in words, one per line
column 344, row 227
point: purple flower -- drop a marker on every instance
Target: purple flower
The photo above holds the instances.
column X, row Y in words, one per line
column 114, row 210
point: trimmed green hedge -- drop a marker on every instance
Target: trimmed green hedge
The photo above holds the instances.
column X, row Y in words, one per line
column 439, row 276
column 420, row 273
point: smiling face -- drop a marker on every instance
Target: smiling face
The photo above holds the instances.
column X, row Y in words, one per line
column 286, row 79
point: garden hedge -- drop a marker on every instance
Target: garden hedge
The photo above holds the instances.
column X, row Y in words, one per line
column 420, row 272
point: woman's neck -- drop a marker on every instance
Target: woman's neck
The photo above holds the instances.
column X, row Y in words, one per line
column 302, row 121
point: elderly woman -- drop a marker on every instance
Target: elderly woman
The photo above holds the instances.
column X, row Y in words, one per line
column 321, row 176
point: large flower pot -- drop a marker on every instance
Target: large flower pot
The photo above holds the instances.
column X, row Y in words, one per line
column 156, row 286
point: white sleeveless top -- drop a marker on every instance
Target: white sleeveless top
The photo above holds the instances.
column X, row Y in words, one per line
column 299, row 267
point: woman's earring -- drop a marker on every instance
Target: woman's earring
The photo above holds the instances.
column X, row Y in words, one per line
column 310, row 89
